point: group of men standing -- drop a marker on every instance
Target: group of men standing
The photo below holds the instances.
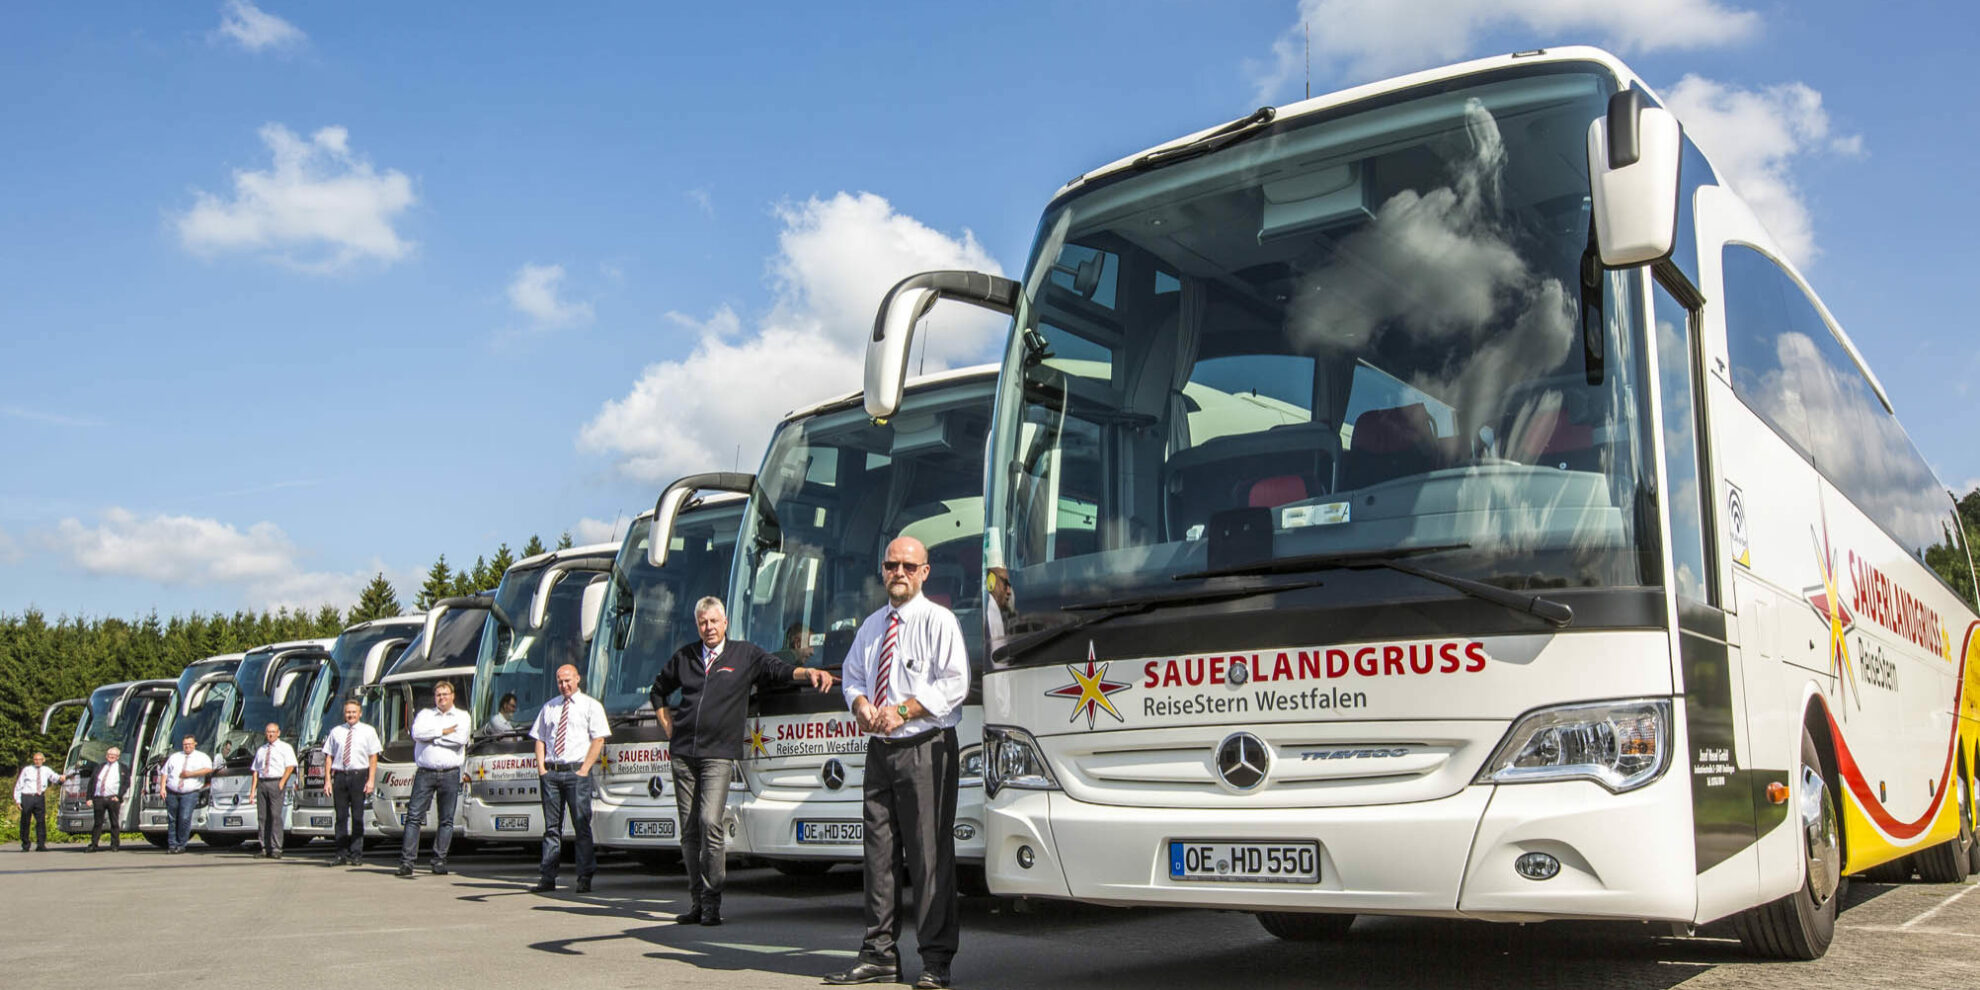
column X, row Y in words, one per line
column 106, row 800
column 905, row 678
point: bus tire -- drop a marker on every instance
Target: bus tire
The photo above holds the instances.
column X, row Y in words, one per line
column 1300, row 926
column 1950, row 861
column 1973, row 803
column 802, row 867
column 1802, row 924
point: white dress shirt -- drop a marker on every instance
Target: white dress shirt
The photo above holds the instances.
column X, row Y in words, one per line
column 435, row 749
column 33, row 781
column 109, row 780
column 176, row 767
column 587, row 722
column 351, row 746
column 273, row 759
column 930, row 664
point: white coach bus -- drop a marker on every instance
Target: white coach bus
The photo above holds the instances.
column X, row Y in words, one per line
column 834, row 489
column 1443, row 498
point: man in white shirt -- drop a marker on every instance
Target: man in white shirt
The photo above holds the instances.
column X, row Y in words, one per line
column 906, row 676
column 179, row 783
column 274, row 763
column 440, row 737
column 351, row 752
column 570, row 732
column 31, row 793
column 106, row 799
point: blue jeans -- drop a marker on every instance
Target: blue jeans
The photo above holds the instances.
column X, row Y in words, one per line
column 179, row 810
column 565, row 789
column 425, row 783
column 701, row 793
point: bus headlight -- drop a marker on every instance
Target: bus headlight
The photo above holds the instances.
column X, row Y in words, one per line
column 971, row 759
column 1012, row 758
column 1621, row 745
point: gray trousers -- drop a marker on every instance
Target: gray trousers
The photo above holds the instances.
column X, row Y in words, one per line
column 911, row 821
column 268, row 795
column 701, row 792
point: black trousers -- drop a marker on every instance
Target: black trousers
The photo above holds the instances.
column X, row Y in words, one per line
column 910, row 822
column 347, row 795
column 110, row 811
column 34, row 806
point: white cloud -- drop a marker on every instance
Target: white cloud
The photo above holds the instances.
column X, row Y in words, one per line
column 588, row 530
column 318, row 207
column 255, row 29
column 1754, row 137
column 51, row 419
column 837, row 257
column 189, row 551
column 699, row 197
column 1368, row 39
column 534, row 292
column 10, row 549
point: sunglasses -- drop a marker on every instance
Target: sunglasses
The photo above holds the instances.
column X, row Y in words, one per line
column 900, row 565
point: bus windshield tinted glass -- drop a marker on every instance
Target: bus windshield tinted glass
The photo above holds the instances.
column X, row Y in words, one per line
column 212, row 709
column 95, row 734
column 527, row 667
column 258, row 708
column 841, row 488
column 341, row 680
column 651, row 611
column 1361, row 332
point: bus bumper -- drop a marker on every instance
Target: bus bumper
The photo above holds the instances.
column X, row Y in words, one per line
column 769, row 826
column 1621, row 855
column 485, row 821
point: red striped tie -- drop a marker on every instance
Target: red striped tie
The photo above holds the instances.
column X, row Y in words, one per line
column 883, row 677
column 563, row 720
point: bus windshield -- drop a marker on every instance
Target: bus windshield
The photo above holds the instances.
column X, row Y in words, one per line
column 840, row 488
column 341, row 680
column 649, row 612
column 95, row 734
column 1360, row 332
column 259, row 708
column 213, row 705
column 524, row 665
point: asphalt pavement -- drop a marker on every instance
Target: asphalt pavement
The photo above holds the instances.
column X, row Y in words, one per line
column 229, row 919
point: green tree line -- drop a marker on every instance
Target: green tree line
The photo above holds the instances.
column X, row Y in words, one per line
column 45, row 660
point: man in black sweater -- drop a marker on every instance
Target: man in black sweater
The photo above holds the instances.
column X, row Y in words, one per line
column 705, row 730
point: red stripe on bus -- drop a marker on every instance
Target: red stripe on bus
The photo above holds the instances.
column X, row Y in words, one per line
column 1852, row 775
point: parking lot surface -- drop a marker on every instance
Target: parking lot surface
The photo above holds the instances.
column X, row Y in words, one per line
column 227, row 919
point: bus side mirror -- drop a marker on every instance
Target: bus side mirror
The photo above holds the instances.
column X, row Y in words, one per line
column 594, row 600
column 1633, row 154
column 904, row 306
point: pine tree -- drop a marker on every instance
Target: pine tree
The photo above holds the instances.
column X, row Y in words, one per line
column 469, row 580
column 378, row 600
column 564, row 541
column 439, row 584
column 500, row 563
column 533, row 547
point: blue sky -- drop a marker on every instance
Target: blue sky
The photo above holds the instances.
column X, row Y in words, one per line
column 294, row 293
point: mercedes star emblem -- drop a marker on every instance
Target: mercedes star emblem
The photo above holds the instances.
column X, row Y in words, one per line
column 655, row 787
column 834, row 775
column 1242, row 760
column 1239, row 673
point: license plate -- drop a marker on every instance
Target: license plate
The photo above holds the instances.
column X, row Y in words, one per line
column 233, row 821
column 650, row 828
column 319, row 821
column 511, row 823
column 833, row 833
column 1245, row 862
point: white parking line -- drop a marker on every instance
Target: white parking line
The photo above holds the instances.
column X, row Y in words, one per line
column 1942, row 905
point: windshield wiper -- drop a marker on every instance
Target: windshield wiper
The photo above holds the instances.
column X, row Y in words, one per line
column 1223, row 137
column 1545, row 609
column 1114, row 608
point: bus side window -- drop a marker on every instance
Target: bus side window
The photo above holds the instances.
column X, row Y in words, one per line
column 1684, row 488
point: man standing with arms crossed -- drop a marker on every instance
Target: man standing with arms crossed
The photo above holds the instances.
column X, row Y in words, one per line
column 570, row 732
column 274, row 762
column 106, row 799
column 440, row 736
column 705, row 739
column 906, row 677
column 179, row 783
column 352, row 750
column 31, row 793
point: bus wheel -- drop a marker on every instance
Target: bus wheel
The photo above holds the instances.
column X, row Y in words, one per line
column 802, row 867
column 1950, row 861
column 159, row 839
column 1973, row 809
column 1801, row 925
column 1300, row 926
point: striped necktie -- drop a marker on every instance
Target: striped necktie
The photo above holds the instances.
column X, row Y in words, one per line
column 563, row 722
column 884, row 675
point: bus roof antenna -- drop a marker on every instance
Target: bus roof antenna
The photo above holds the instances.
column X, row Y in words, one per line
column 1307, row 26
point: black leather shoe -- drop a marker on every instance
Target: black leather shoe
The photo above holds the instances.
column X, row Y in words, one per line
column 440, row 869
column 544, row 887
column 337, row 861
column 932, row 980
column 405, row 869
column 692, row 917
column 584, row 885
column 865, row 972
column 711, row 911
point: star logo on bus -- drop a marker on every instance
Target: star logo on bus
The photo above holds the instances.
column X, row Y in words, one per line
column 1827, row 601
column 1089, row 690
column 758, row 744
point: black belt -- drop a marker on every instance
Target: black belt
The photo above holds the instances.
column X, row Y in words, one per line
column 358, row 770
column 420, row 769
column 555, row 767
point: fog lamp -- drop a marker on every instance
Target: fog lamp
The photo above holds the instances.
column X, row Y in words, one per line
column 1537, row 866
column 1026, row 857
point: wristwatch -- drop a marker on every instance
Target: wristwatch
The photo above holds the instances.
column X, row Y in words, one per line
column 902, row 708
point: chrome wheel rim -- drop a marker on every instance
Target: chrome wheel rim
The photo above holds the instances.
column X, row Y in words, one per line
column 1822, row 845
